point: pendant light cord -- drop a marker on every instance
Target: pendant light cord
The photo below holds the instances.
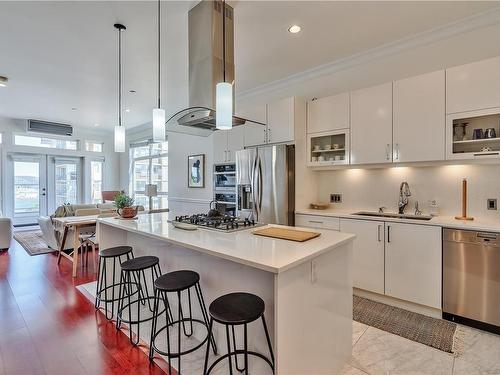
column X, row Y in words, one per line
column 120, row 77
column 224, row 40
column 159, row 51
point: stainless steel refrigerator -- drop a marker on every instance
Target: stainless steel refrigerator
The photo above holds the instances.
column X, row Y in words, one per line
column 265, row 181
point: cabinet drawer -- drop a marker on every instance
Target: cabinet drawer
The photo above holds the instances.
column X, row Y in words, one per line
column 315, row 221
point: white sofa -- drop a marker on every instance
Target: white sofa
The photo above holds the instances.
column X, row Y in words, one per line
column 5, row 232
column 49, row 232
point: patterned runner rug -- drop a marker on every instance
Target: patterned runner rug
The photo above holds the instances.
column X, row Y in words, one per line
column 437, row 333
column 32, row 242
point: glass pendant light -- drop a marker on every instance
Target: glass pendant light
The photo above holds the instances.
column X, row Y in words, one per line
column 119, row 129
column 159, row 113
column 224, row 90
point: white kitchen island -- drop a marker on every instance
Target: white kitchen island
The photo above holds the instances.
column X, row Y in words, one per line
column 307, row 287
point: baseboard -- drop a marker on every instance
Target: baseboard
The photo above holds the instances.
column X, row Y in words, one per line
column 410, row 306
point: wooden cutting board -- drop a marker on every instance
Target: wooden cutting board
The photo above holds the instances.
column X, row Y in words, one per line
column 287, row 234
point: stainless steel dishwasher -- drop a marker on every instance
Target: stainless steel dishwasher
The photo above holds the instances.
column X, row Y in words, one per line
column 471, row 278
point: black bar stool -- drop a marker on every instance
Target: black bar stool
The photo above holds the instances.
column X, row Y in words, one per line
column 232, row 310
column 136, row 268
column 120, row 254
column 178, row 282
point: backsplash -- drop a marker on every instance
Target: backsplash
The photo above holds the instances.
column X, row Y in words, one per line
column 368, row 189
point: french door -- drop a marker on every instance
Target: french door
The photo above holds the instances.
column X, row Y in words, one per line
column 28, row 184
column 39, row 184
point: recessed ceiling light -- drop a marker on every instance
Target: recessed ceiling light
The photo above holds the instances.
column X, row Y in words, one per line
column 132, row 91
column 127, row 110
column 74, row 109
column 294, row 29
column 3, row 81
column 96, row 125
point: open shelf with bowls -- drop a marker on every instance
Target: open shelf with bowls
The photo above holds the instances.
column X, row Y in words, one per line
column 473, row 136
column 328, row 148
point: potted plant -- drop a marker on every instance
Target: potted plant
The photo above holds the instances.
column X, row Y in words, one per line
column 125, row 206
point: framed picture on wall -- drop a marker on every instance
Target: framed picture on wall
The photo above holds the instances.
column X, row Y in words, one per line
column 196, row 171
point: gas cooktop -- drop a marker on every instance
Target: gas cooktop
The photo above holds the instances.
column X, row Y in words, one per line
column 223, row 223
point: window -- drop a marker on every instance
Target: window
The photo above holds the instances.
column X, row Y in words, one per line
column 149, row 165
column 91, row 146
column 66, row 182
column 96, row 167
column 24, row 140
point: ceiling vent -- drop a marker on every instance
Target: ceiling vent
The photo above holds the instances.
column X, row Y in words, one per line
column 53, row 128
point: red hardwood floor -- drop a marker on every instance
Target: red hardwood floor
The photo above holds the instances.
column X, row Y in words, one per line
column 48, row 327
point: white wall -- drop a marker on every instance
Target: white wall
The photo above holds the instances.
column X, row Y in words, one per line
column 9, row 127
column 368, row 189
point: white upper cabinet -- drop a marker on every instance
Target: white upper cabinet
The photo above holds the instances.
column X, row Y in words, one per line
column 413, row 263
column 473, row 86
column 419, row 118
column 219, row 139
column 368, row 253
column 371, row 125
column 327, row 114
column 226, row 143
column 254, row 133
column 281, row 121
column 235, row 142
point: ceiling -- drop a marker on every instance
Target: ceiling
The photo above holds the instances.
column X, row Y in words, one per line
column 63, row 55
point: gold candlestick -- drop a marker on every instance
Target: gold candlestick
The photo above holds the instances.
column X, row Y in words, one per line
column 464, row 202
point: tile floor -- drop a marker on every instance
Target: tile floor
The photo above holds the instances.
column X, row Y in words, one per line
column 378, row 352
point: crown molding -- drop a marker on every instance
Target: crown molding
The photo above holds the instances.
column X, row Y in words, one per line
column 481, row 20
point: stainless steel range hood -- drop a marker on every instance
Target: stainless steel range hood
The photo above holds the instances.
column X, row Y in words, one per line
column 206, row 67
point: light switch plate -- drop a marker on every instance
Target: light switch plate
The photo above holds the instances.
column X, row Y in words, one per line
column 491, row 204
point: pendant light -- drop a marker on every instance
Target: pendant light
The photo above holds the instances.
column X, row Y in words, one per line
column 119, row 129
column 224, row 90
column 159, row 113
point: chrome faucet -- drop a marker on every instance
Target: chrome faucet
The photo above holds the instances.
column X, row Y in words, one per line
column 404, row 193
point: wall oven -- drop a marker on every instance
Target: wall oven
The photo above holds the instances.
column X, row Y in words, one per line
column 224, row 177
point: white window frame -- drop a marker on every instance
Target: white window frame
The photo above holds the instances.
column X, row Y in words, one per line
column 89, row 141
column 40, row 136
column 150, row 158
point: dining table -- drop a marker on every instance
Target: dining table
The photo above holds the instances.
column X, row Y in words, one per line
column 63, row 225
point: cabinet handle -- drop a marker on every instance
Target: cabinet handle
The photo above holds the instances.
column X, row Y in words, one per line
column 488, row 154
column 315, row 222
column 388, row 152
column 269, row 135
column 378, row 233
column 388, row 234
column 228, row 155
column 397, row 151
column 225, row 155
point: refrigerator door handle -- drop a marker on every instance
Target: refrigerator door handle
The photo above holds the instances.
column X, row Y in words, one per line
column 255, row 208
column 260, row 185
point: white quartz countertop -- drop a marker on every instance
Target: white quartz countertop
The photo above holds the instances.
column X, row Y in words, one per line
column 269, row 254
column 478, row 224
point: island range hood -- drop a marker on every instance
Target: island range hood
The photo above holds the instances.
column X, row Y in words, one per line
column 206, row 67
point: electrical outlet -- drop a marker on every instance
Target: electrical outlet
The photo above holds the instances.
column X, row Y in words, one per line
column 491, row 204
column 335, row 198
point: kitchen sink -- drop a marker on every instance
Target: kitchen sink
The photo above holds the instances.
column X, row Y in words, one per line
column 393, row 215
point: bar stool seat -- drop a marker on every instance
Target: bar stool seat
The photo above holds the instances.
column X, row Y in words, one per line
column 115, row 251
column 140, row 263
column 237, row 308
column 177, row 280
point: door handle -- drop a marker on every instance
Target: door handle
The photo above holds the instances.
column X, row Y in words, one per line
column 397, row 151
column 388, row 234
column 378, row 232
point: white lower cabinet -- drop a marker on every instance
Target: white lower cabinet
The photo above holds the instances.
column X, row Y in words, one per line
column 413, row 263
column 368, row 253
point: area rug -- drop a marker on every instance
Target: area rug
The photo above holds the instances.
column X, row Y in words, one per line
column 33, row 242
column 437, row 333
